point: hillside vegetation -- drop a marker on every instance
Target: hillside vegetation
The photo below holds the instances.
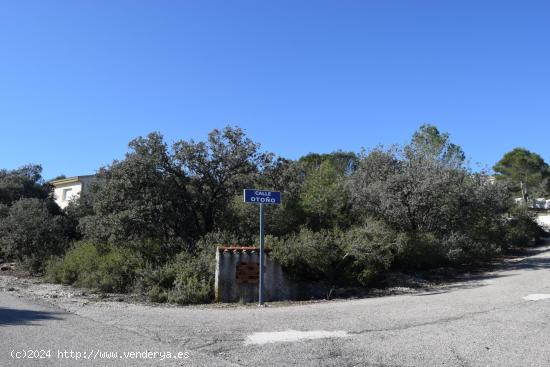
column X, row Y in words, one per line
column 151, row 221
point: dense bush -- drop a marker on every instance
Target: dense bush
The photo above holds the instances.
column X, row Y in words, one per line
column 372, row 249
column 323, row 197
column 24, row 182
column 175, row 194
column 102, row 267
column 522, row 229
column 460, row 248
column 31, row 230
column 345, row 218
column 414, row 207
column 309, row 255
column 425, row 191
column 186, row 279
column 32, row 227
column 355, row 256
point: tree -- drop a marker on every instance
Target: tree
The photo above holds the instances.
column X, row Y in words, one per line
column 24, row 182
column 425, row 191
column 287, row 176
column 176, row 194
column 345, row 163
column 218, row 169
column 428, row 143
column 32, row 230
column 284, row 175
column 32, row 226
column 404, row 190
column 526, row 171
column 323, row 195
column 414, row 188
column 139, row 198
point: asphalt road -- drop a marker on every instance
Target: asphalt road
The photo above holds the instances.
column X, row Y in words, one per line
column 484, row 321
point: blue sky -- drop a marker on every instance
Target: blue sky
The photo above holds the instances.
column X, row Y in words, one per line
column 79, row 79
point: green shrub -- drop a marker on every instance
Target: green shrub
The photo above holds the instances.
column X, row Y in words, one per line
column 103, row 267
column 191, row 288
column 430, row 250
column 421, row 251
column 522, row 229
column 32, row 230
column 187, row 279
column 352, row 257
column 156, row 282
column 309, row 255
column 459, row 248
column 372, row 249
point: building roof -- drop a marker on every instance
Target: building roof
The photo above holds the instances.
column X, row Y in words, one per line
column 240, row 249
column 68, row 180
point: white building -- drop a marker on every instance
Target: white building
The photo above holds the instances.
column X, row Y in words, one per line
column 66, row 189
column 541, row 203
column 538, row 203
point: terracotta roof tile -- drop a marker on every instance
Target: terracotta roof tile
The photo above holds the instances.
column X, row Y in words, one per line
column 238, row 249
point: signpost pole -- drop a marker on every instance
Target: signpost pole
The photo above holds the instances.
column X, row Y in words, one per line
column 262, row 257
column 262, row 197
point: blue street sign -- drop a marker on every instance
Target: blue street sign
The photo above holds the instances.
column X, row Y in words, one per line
column 262, row 196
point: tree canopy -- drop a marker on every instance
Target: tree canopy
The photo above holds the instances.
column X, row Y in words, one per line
column 173, row 194
column 525, row 171
column 32, row 226
column 24, row 182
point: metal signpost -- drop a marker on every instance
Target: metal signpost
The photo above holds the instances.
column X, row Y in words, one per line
column 261, row 197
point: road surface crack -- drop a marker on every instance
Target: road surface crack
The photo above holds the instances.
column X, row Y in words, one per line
column 434, row 322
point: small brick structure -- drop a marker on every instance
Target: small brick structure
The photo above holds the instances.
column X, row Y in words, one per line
column 248, row 273
column 237, row 275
